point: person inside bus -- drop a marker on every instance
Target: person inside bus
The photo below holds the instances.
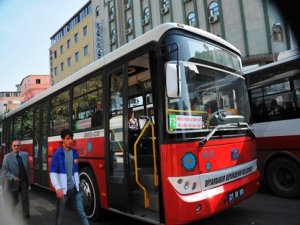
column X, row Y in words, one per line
column 132, row 121
column 97, row 115
column 275, row 109
column 195, row 104
column 133, row 128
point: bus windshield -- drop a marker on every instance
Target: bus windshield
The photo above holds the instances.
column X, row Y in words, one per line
column 196, row 50
column 212, row 91
column 209, row 97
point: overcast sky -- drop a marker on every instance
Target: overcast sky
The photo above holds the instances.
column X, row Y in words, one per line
column 25, row 30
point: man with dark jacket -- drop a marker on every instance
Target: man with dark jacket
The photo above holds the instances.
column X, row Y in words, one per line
column 15, row 169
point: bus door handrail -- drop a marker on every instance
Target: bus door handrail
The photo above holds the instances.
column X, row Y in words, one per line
column 146, row 198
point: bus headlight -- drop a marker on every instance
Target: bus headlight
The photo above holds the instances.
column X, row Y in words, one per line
column 186, row 185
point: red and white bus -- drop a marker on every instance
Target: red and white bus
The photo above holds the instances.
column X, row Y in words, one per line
column 185, row 162
column 274, row 91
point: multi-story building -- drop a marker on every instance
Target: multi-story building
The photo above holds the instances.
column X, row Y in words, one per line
column 32, row 85
column 255, row 27
column 9, row 100
column 72, row 46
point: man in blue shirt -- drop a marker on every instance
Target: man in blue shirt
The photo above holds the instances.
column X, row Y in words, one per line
column 65, row 178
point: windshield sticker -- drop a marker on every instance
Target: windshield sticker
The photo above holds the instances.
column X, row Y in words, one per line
column 185, row 122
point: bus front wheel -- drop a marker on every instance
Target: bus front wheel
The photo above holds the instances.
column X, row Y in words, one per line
column 283, row 177
column 89, row 193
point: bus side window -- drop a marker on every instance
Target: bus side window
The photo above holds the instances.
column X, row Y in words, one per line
column 263, row 111
column 97, row 116
column 289, row 107
column 87, row 104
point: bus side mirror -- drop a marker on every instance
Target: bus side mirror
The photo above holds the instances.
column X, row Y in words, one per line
column 173, row 80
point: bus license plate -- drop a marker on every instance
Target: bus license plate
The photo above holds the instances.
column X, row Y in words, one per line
column 231, row 196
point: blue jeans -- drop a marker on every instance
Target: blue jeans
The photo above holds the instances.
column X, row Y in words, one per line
column 75, row 200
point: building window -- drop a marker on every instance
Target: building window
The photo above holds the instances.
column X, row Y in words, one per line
column 165, row 6
column 127, row 4
column 129, row 26
column 55, row 71
column 68, row 43
column 38, row 81
column 129, row 23
column 61, row 49
column 86, row 50
column 111, row 13
column 69, row 62
column 97, row 11
column 85, row 30
column 146, row 16
column 62, row 66
column 165, row 3
column 76, row 37
column 191, row 19
column 277, row 32
column 55, row 55
column 214, row 9
column 113, row 36
column 76, row 56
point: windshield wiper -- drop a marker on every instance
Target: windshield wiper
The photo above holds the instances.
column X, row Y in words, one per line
column 218, row 127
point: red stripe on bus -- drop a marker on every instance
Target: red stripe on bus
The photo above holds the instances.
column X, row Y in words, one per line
column 278, row 142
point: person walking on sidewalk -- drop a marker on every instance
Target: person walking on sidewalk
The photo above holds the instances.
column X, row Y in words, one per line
column 15, row 169
column 65, row 179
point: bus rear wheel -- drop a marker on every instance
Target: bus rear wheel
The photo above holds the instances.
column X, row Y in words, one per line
column 283, row 177
column 90, row 194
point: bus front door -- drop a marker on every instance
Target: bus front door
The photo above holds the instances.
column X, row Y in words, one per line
column 116, row 152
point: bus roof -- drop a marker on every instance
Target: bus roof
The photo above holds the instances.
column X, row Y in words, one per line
column 284, row 60
column 272, row 72
column 152, row 35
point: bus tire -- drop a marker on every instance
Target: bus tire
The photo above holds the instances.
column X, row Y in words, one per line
column 283, row 177
column 90, row 194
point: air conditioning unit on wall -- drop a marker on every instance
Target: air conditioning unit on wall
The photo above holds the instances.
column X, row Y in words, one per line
column 111, row 18
column 213, row 19
column 145, row 21
column 113, row 41
column 127, row 6
column 186, row 1
column 128, row 31
column 164, row 10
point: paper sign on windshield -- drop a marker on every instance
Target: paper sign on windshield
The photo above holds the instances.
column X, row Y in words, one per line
column 185, row 122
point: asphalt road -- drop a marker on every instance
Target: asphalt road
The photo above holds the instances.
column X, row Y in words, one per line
column 261, row 209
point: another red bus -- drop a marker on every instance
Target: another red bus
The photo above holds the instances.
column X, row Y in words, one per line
column 274, row 91
column 185, row 163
